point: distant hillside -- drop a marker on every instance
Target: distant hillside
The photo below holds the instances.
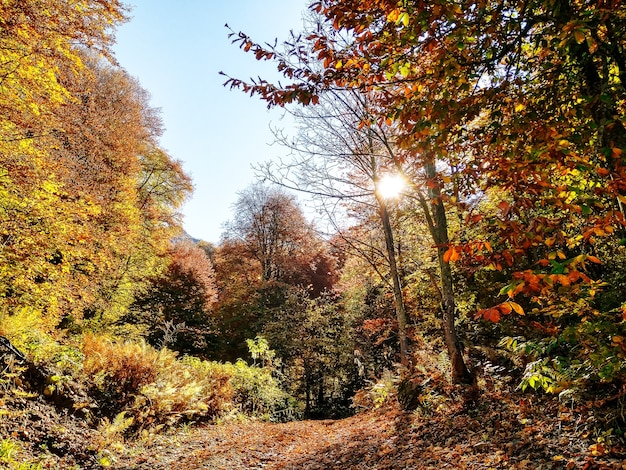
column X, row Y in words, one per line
column 185, row 237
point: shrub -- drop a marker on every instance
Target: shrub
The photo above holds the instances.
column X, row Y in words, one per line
column 9, row 450
column 27, row 331
column 153, row 386
column 377, row 392
column 117, row 370
column 257, row 393
column 188, row 388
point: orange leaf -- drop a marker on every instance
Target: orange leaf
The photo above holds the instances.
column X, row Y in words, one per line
column 579, row 36
column 504, row 206
column 505, row 308
column 448, row 254
column 563, row 279
column 593, row 259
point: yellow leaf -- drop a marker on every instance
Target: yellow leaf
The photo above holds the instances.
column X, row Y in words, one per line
column 519, row 107
column 517, row 308
column 393, row 15
column 506, row 308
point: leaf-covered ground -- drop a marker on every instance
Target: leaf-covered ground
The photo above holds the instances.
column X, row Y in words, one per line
column 496, row 432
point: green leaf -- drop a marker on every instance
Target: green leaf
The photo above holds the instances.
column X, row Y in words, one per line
column 557, row 268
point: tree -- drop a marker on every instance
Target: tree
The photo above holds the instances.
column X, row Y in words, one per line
column 178, row 302
column 108, row 155
column 523, row 96
column 315, row 341
column 341, row 162
column 38, row 38
column 40, row 44
column 268, row 250
column 79, row 228
column 274, row 232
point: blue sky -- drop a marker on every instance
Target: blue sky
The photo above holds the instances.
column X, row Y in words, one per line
column 176, row 49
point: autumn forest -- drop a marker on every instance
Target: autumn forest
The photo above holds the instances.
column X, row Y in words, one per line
column 460, row 299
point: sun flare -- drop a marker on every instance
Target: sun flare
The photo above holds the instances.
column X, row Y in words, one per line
column 391, row 186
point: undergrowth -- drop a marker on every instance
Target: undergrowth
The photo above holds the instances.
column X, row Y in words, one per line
column 156, row 388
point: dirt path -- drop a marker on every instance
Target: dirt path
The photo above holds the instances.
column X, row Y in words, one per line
column 303, row 444
column 498, row 437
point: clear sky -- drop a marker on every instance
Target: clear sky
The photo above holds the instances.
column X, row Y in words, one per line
column 176, row 49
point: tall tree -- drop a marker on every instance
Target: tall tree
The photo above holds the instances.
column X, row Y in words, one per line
column 267, row 250
column 77, row 136
column 40, row 45
column 273, row 230
column 176, row 306
column 525, row 96
column 341, row 163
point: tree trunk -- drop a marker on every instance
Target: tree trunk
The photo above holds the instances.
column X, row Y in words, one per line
column 439, row 229
column 401, row 315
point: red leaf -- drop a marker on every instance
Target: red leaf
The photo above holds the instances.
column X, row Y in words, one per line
column 492, row 314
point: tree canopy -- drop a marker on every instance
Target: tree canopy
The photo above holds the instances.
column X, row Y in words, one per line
column 526, row 98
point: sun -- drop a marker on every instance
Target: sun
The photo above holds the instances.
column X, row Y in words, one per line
column 391, row 186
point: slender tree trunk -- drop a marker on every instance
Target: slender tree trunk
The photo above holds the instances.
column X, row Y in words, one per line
column 401, row 315
column 460, row 372
column 320, row 393
column 307, row 391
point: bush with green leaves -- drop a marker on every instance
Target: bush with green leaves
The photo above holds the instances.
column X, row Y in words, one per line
column 587, row 353
column 257, row 388
column 257, row 393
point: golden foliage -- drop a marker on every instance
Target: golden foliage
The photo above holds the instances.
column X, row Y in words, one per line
column 153, row 385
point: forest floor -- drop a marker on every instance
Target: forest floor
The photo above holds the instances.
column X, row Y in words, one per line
column 495, row 431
